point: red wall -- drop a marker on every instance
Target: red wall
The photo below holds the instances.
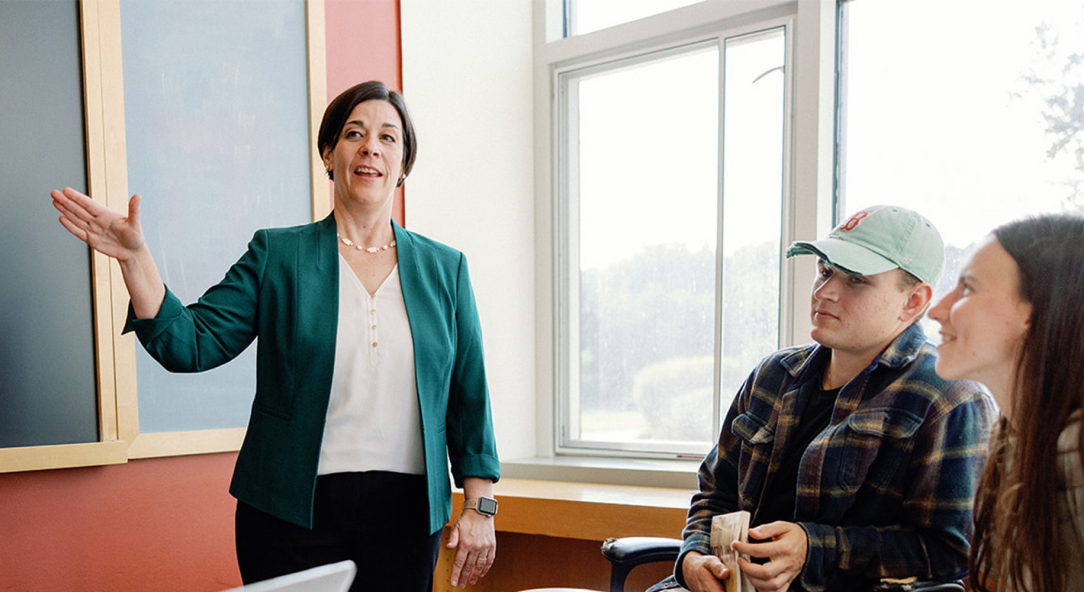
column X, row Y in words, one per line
column 163, row 524
column 363, row 43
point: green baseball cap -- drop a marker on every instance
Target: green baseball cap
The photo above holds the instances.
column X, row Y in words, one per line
column 880, row 239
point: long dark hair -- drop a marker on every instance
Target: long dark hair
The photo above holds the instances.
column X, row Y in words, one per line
column 1016, row 523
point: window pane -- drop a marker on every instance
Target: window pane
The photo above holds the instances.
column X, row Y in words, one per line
column 647, row 232
column 752, row 202
column 978, row 123
column 591, row 15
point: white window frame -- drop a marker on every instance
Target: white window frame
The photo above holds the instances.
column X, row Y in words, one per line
column 809, row 154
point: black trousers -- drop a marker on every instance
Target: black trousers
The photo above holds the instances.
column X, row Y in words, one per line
column 378, row 519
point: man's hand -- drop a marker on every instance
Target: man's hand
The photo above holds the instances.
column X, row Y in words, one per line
column 703, row 573
column 785, row 550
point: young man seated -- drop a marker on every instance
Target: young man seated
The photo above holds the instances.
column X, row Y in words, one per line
column 857, row 462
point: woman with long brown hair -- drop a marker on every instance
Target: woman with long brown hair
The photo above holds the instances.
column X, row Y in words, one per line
column 1015, row 322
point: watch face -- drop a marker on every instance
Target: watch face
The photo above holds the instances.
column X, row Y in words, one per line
column 487, row 506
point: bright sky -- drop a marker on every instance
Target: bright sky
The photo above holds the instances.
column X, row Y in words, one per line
column 649, row 151
column 936, row 123
column 935, row 117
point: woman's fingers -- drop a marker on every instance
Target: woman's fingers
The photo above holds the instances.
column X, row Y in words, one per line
column 77, row 204
column 487, row 564
column 475, row 542
column 72, row 217
column 76, row 207
column 479, row 567
column 483, row 561
column 71, row 227
column 63, row 205
column 101, row 228
column 133, row 210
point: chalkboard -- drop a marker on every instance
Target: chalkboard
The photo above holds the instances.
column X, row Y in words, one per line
column 216, row 118
column 48, row 389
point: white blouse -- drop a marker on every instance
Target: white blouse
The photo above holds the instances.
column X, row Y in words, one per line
column 373, row 419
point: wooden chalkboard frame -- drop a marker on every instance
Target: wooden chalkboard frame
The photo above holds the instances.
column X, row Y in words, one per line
column 118, row 401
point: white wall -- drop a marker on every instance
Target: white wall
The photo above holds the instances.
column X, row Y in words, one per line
column 467, row 79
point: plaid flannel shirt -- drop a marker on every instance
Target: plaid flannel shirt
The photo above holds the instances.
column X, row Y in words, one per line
column 885, row 491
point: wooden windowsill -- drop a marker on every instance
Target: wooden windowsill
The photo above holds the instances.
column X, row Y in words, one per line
column 586, row 511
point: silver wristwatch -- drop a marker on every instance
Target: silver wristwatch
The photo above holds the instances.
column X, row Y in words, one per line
column 485, row 506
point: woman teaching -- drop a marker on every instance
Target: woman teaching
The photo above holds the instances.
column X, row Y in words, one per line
column 1015, row 322
column 369, row 372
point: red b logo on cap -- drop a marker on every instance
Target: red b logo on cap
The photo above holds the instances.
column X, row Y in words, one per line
column 853, row 222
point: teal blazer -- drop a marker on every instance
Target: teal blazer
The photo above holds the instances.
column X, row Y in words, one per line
column 285, row 290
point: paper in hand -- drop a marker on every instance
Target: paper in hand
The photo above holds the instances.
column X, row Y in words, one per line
column 725, row 529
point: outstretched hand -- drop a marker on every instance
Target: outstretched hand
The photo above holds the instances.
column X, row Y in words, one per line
column 103, row 229
column 118, row 237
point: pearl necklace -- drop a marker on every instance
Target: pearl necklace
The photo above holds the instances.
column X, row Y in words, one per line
column 373, row 250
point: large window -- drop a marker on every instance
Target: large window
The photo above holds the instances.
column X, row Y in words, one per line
column 688, row 152
column 672, row 195
column 973, row 118
column 585, row 16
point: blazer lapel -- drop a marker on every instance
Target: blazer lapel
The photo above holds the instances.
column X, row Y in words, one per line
column 408, row 263
column 317, row 290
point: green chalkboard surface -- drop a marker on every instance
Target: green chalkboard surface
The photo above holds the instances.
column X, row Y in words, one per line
column 216, row 120
column 48, row 382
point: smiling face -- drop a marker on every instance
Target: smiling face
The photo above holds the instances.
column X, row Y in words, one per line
column 367, row 158
column 859, row 315
column 983, row 322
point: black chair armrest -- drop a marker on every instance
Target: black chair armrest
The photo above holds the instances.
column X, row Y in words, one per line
column 629, row 552
column 637, row 550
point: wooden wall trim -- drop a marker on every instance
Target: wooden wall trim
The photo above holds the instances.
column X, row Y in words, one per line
column 586, row 511
column 316, row 34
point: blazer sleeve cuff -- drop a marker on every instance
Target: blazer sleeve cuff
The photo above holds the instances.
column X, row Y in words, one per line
column 148, row 329
column 483, row 466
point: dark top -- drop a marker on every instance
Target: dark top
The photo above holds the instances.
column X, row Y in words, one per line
column 781, row 489
column 885, row 490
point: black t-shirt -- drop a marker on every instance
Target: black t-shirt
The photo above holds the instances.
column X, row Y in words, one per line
column 780, row 491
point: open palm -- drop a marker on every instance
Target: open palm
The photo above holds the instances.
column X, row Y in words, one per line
column 103, row 229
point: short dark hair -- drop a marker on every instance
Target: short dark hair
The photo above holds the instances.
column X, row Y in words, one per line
column 907, row 280
column 339, row 110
